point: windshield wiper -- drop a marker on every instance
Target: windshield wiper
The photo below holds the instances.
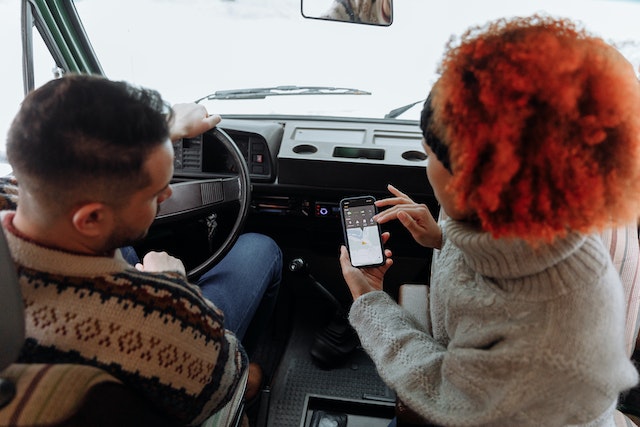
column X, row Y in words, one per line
column 397, row 111
column 263, row 92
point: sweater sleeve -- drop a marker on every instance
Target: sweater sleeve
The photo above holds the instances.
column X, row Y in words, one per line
column 484, row 382
column 229, row 361
column 204, row 337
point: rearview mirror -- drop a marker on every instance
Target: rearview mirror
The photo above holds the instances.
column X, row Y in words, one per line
column 374, row 12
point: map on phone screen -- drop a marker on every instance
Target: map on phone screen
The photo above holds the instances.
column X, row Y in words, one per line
column 362, row 236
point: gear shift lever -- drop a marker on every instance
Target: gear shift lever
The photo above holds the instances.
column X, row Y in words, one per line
column 299, row 265
column 338, row 339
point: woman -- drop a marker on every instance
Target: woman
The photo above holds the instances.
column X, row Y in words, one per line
column 533, row 138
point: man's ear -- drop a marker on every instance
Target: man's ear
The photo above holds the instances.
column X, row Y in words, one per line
column 92, row 219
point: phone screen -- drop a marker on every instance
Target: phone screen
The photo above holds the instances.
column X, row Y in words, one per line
column 362, row 233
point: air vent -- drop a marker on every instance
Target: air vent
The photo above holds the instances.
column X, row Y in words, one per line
column 192, row 154
column 188, row 154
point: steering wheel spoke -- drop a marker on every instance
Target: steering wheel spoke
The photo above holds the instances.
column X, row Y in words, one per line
column 195, row 198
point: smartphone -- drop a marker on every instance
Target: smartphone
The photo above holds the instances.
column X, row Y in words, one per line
column 362, row 234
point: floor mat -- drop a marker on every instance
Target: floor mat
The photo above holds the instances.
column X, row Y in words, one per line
column 298, row 376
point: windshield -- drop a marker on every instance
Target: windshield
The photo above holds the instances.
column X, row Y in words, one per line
column 189, row 49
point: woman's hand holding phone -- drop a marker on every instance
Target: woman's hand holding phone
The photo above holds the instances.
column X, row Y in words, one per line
column 366, row 279
column 362, row 234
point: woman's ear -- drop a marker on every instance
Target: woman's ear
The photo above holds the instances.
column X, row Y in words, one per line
column 93, row 219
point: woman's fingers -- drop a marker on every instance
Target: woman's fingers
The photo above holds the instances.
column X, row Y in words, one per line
column 395, row 191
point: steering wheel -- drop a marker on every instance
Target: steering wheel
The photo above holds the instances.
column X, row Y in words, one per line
column 197, row 197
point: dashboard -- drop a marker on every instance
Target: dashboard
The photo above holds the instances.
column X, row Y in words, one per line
column 303, row 167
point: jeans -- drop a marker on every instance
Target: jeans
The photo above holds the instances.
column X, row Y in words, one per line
column 244, row 284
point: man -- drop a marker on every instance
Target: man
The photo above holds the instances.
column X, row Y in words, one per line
column 94, row 159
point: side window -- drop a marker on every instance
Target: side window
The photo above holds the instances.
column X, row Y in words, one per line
column 10, row 72
column 11, row 83
column 44, row 66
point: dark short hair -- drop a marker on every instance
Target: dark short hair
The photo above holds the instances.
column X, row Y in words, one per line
column 435, row 143
column 84, row 135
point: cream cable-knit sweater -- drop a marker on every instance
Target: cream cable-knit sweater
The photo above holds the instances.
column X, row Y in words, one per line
column 520, row 336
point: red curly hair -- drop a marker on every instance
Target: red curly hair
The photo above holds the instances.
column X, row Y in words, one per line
column 542, row 122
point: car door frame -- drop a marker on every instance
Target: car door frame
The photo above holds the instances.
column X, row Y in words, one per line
column 62, row 31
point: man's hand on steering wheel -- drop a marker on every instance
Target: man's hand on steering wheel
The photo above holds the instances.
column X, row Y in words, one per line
column 190, row 120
